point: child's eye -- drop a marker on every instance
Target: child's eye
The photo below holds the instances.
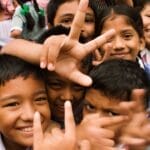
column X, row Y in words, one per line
column 148, row 15
column 89, row 19
column 78, row 88
column 54, row 85
column 128, row 36
column 41, row 99
column 90, row 108
column 66, row 21
column 12, row 104
column 110, row 113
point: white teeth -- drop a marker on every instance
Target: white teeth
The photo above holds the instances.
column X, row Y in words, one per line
column 29, row 129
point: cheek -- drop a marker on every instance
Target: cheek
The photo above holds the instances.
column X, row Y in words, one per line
column 90, row 28
column 85, row 112
column 52, row 94
column 79, row 94
column 8, row 120
column 44, row 111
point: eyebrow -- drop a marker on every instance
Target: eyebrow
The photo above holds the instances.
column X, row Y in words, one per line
column 67, row 15
column 7, row 97
column 86, row 102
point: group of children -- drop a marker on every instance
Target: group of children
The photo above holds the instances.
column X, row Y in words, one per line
column 100, row 64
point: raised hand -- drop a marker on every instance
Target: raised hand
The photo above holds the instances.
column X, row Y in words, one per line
column 136, row 133
column 58, row 139
column 61, row 53
column 95, row 129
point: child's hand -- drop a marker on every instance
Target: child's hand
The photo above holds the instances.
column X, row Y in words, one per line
column 94, row 128
column 67, row 52
column 57, row 140
column 61, row 53
column 136, row 132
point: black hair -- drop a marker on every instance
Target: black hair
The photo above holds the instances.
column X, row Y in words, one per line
column 13, row 67
column 117, row 78
column 1, row 8
column 52, row 8
column 29, row 19
column 140, row 6
column 132, row 15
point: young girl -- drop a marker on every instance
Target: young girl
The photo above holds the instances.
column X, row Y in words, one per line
column 28, row 21
column 128, row 25
column 129, row 38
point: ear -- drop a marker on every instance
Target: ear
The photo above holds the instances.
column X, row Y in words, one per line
column 142, row 43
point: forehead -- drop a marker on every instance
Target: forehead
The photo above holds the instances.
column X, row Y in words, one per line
column 52, row 76
column 69, row 8
column 120, row 22
column 21, row 86
column 99, row 100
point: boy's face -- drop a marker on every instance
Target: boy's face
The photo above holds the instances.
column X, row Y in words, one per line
column 66, row 13
column 96, row 102
column 126, row 43
column 145, row 13
column 61, row 90
column 19, row 99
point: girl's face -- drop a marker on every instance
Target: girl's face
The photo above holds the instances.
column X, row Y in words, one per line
column 145, row 13
column 66, row 13
column 126, row 43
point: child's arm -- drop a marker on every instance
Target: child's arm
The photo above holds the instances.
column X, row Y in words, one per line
column 61, row 53
column 57, row 140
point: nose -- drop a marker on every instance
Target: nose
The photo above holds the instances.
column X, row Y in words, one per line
column 27, row 112
column 118, row 44
column 67, row 94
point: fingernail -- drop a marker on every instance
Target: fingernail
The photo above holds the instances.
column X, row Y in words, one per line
column 67, row 104
column 51, row 67
column 42, row 65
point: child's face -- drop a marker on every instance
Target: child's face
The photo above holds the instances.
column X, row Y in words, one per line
column 61, row 90
column 145, row 13
column 66, row 13
column 19, row 99
column 126, row 43
column 96, row 102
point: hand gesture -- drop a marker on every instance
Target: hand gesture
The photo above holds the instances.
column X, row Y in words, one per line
column 61, row 53
column 58, row 139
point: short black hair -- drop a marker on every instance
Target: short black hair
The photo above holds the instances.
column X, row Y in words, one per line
column 117, row 78
column 13, row 67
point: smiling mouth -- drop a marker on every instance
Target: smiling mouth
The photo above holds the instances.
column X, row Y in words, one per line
column 119, row 55
column 26, row 131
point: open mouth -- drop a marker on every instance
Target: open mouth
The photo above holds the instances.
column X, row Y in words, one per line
column 26, row 132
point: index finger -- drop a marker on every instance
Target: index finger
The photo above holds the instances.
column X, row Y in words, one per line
column 78, row 20
column 69, row 121
column 99, row 41
column 37, row 130
column 109, row 121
